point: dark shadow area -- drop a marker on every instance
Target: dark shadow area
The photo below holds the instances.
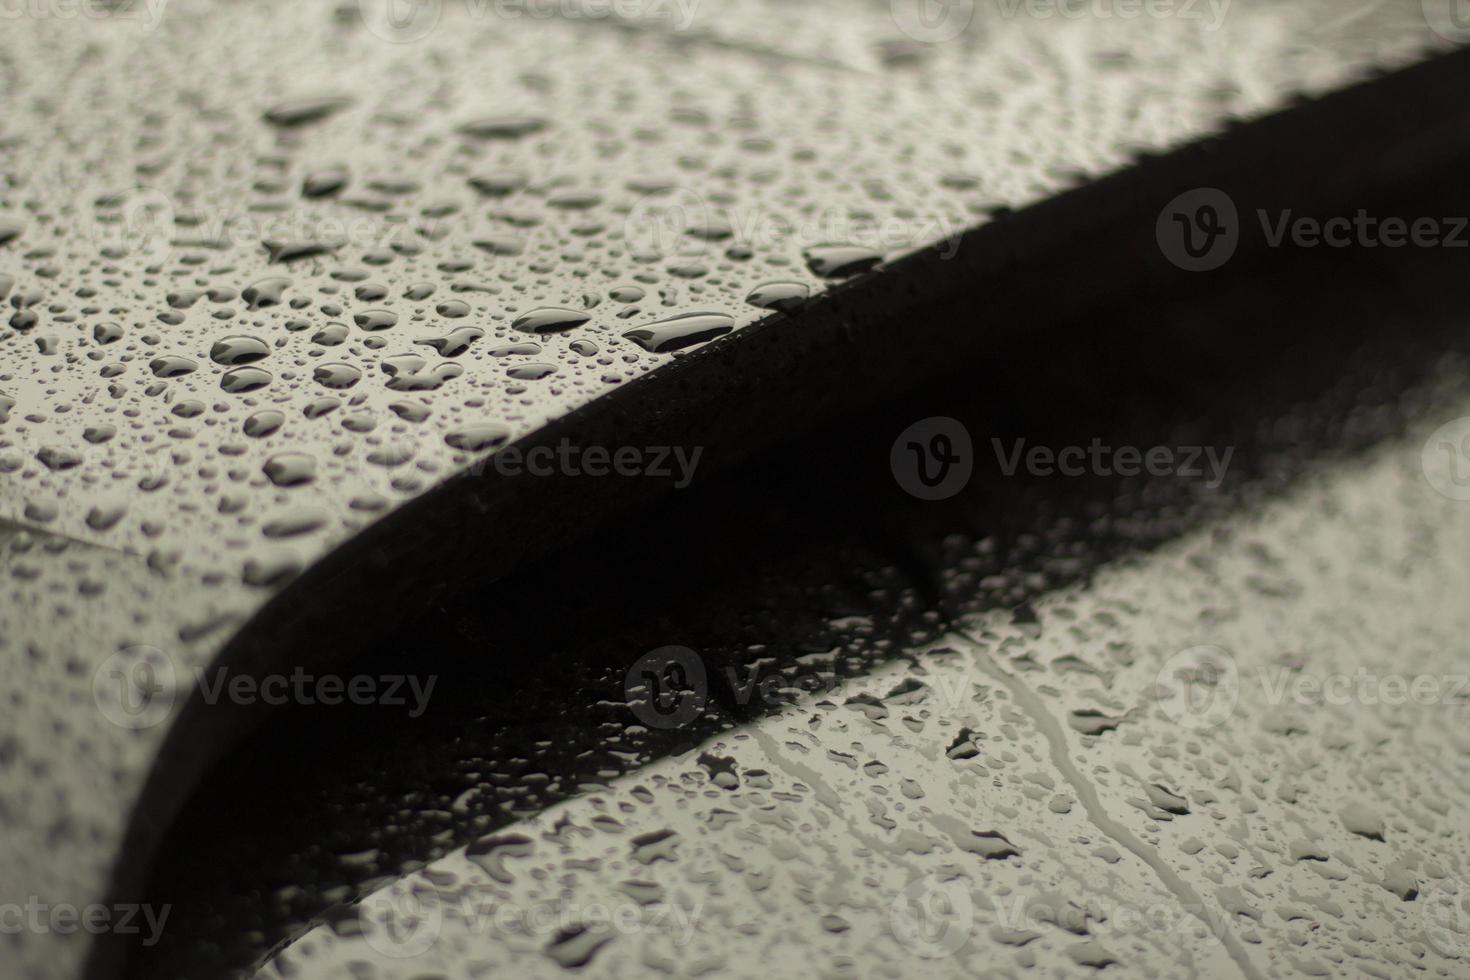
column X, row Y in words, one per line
column 810, row 562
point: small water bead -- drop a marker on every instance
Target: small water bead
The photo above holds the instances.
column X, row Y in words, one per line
column 98, row 434
column 409, row 411
column 232, row 351
column 531, row 372
column 264, row 423
column 360, row 422
column 172, row 366
column 325, row 183
column 627, row 294
column 475, row 438
column 289, row 250
column 408, row 372
column 783, row 296
column 299, row 112
column 506, row 127
column 501, row 246
column 550, row 319
column 321, row 406
column 336, row 376
column 270, row 574
column 453, row 309
column 104, row 517
column 677, row 333
column 584, row 347
column 241, row 380
column 509, row 350
column 10, row 230
column 498, row 185
column 189, row 409
column 265, row 293
column 456, row 343
column 58, row 459
column 840, row 261
column 374, row 320
column 290, row 469
column 293, row 524
column 331, row 335
column 107, row 333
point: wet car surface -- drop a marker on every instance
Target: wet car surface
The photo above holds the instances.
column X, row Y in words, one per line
column 986, row 731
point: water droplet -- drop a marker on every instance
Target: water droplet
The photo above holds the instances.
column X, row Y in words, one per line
column 262, row 424
column 299, row 112
column 549, row 319
column 172, row 366
column 782, row 296
column 336, row 376
column 231, row 351
column 290, row 469
column 679, row 332
column 474, row 438
column 503, row 127
column 240, row 380
column 840, row 261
